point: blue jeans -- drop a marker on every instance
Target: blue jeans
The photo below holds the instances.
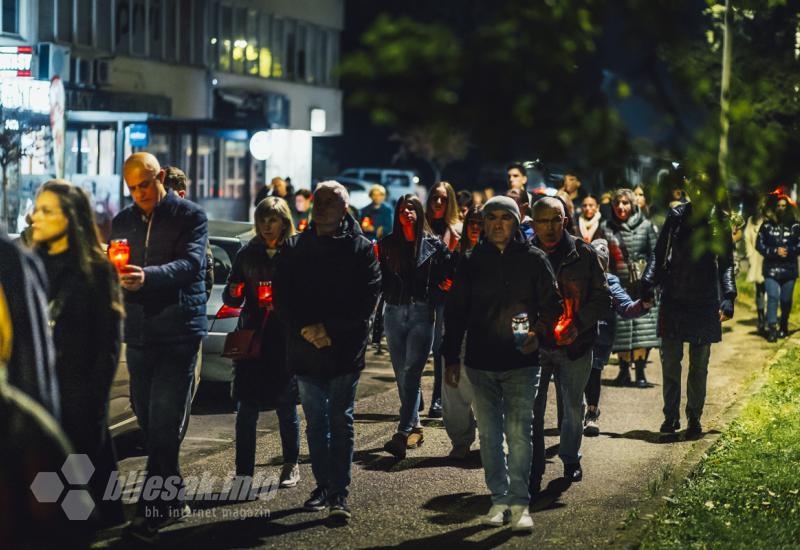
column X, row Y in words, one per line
column 409, row 335
column 161, row 384
column 328, row 405
column 504, row 406
column 246, row 422
column 778, row 292
column 571, row 377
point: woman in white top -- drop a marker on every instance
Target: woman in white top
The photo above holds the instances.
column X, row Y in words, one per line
column 755, row 262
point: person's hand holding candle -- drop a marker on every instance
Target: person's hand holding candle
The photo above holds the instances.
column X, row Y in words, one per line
column 132, row 278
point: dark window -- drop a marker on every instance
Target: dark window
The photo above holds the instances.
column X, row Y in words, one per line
column 10, row 16
column 301, row 52
column 278, row 57
column 156, row 28
column 185, row 35
column 170, row 45
column 324, row 63
column 265, row 46
column 251, row 50
column 103, row 25
column 226, row 38
column 200, row 38
column 46, row 19
column 139, row 27
column 123, row 26
column 291, row 50
column 63, row 21
column 83, row 22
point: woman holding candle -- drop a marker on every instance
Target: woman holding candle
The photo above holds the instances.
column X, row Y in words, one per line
column 263, row 382
column 85, row 314
column 441, row 213
column 415, row 266
column 632, row 244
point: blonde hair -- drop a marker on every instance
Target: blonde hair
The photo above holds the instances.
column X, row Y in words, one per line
column 377, row 189
column 278, row 207
column 451, row 213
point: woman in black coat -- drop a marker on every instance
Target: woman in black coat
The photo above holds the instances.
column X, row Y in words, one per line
column 778, row 242
column 85, row 315
column 264, row 382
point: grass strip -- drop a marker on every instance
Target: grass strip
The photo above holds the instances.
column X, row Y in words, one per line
column 746, row 490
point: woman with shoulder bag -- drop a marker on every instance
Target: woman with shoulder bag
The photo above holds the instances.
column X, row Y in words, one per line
column 263, row 380
column 632, row 244
column 86, row 314
column 415, row 266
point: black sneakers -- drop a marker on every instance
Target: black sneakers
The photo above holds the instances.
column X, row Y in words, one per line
column 694, row 429
column 318, row 500
column 339, row 510
column 670, row 426
column 573, row 473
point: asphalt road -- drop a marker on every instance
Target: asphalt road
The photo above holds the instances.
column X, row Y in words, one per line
column 427, row 500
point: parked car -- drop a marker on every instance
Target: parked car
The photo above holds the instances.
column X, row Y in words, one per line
column 396, row 182
column 358, row 191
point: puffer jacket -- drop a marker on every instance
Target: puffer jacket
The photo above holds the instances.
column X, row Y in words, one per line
column 583, row 287
column 489, row 289
column 772, row 236
column 330, row 280
column 693, row 289
column 630, row 241
column 171, row 248
column 434, row 264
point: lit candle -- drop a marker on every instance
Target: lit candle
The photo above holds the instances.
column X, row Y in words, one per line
column 265, row 294
column 119, row 253
column 366, row 223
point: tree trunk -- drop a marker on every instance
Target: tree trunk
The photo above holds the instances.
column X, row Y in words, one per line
column 724, row 97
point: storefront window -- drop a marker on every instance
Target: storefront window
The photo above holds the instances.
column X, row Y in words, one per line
column 71, row 152
column 107, row 152
column 235, row 166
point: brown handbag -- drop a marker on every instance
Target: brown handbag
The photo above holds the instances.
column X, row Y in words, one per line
column 244, row 343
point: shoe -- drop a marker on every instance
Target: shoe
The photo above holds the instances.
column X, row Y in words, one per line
column 397, row 445
column 436, row 409
column 290, row 475
column 590, row 426
column 670, row 426
column 415, row 438
column 694, row 429
column 317, row 501
column 624, row 376
column 783, row 331
column 772, row 333
column 498, row 515
column 521, row 520
column 339, row 509
column 459, row 452
column 141, row 530
column 641, row 380
column 573, row 473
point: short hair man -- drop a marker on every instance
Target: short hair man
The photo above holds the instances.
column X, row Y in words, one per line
column 165, row 307
column 377, row 217
column 697, row 296
column 570, row 185
column 567, row 351
column 302, row 209
column 326, row 284
column 503, row 278
column 521, row 198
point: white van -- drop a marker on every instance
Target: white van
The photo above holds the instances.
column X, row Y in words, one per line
column 396, row 182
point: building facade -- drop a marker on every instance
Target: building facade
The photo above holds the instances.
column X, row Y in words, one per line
column 188, row 80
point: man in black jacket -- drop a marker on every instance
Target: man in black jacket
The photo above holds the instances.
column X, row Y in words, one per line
column 325, row 287
column 502, row 279
column 567, row 351
column 697, row 295
column 165, row 307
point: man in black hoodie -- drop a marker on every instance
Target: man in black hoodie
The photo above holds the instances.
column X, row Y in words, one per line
column 325, row 288
column 502, row 279
column 567, row 351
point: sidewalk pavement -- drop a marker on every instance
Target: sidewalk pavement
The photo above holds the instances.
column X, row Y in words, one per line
column 428, row 500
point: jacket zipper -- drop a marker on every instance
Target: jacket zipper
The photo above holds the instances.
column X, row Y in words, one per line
column 147, row 238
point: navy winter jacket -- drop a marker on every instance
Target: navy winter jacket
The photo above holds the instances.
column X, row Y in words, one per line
column 772, row 236
column 171, row 247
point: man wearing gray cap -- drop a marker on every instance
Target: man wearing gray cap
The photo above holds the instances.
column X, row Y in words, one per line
column 503, row 295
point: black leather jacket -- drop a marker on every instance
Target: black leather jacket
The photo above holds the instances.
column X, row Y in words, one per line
column 434, row 264
column 772, row 236
column 684, row 279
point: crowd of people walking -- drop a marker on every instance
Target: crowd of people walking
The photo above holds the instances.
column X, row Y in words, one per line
column 505, row 296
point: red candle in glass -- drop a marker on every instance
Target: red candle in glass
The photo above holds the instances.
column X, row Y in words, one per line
column 265, row 294
column 119, row 253
column 302, row 226
column 366, row 223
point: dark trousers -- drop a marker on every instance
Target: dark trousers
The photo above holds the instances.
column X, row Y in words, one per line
column 246, row 422
column 161, row 384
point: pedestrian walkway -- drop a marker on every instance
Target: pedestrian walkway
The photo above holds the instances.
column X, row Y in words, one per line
column 428, row 500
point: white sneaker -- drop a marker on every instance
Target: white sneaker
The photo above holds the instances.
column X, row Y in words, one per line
column 290, row 475
column 497, row 516
column 521, row 519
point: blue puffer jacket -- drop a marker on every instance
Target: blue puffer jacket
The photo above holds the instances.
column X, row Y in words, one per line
column 772, row 236
column 171, row 306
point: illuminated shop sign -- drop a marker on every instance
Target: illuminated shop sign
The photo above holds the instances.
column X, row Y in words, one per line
column 15, row 61
column 26, row 95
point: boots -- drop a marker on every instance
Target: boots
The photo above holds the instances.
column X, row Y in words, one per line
column 772, row 333
column 762, row 323
column 624, row 376
column 641, row 381
column 784, row 328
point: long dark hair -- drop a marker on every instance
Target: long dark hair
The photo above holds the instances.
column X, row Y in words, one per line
column 451, row 210
column 390, row 245
column 474, row 213
column 83, row 235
